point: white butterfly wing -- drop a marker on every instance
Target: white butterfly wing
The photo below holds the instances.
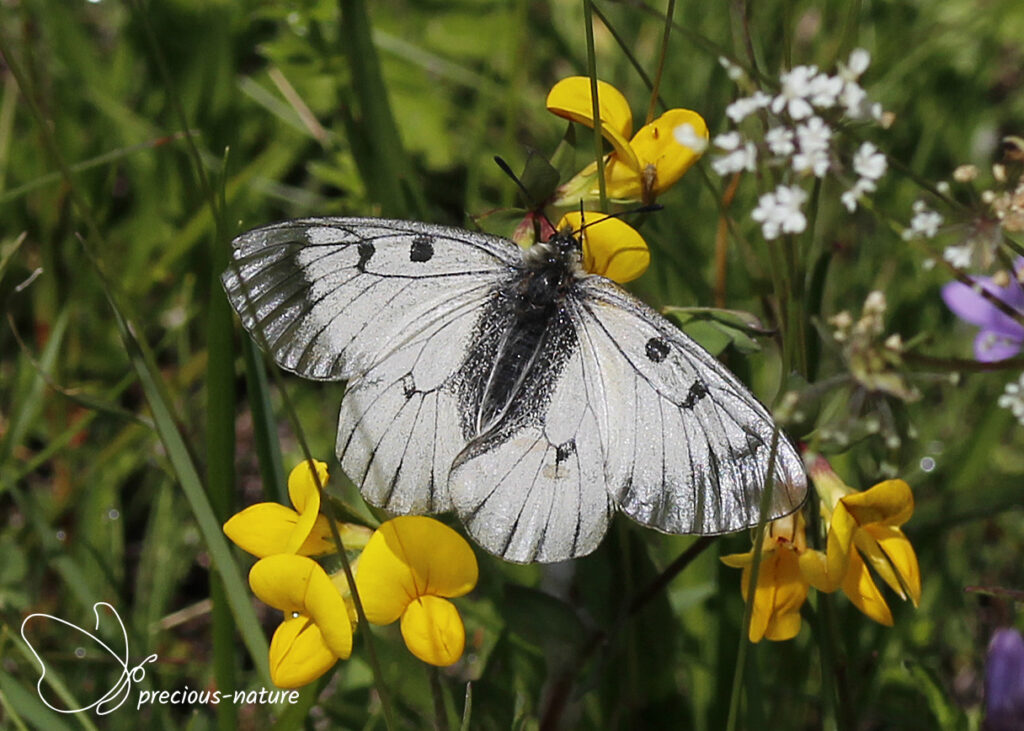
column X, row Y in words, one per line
column 333, row 296
column 686, row 445
column 399, row 428
column 534, row 489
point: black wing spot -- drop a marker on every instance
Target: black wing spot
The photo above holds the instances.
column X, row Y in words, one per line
column 408, row 386
column 697, row 391
column 422, row 249
column 366, row 251
column 657, row 349
column 564, row 451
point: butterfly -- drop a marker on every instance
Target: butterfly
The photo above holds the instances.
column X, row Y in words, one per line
column 509, row 385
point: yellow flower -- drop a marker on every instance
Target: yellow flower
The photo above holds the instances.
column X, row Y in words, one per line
column 781, row 587
column 611, row 247
column 408, row 570
column 317, row 626
column 864, row 530
column 640, row 168
column 266, row 529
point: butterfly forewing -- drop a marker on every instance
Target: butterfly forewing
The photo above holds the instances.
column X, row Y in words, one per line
column 332, row 296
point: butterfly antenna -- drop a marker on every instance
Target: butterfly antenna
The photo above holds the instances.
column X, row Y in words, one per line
column 505, row 168
column 649, row 208
column 515, row 179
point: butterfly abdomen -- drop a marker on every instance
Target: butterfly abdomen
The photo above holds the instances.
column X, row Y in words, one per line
column 515, row 343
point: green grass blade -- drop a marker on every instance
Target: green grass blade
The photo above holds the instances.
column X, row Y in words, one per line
column 386, row 167
column 264, row 428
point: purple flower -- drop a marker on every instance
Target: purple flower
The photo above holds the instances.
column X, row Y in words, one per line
column 1001, row 336
column 1004, row 682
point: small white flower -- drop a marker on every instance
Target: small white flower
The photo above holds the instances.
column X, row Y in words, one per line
column 854, row 100
column 742, row 154
column 734, row 72
column 728, row 140
column 796, row 87
column 738, row 110
column 813, row 161
column 744, row 107
column 958, row 256
column 850, row 197
column 1013, row 398
column 813, row 140
column 780, row 141
column 687, row 136
column 965, row 173
column 924, row 224
column 813, row 135
column 825, row 90
column 779, row 211
column 859, row 61
column 868, row 162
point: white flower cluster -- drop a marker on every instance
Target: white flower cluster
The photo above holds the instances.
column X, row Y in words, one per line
column 1013, row 398
column 870, row 166
column 1001, row 211
column 799, row 138
column 779, row 212
column 740, row 154
column 925, row 225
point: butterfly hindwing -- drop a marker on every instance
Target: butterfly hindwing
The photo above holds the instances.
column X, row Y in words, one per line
column 533, row 488
column 332, row 296
column 686, row 445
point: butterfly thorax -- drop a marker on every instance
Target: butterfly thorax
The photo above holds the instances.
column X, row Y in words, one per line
column 550, row 270
column 562, row 251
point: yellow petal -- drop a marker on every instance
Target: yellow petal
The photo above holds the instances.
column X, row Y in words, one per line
column 788, row 531
column 663, row 158
column 839, row 547
column 297, row 584
column 738, row 560
column 262, row 529
column 860, row 588
column 320, row 541
column 780, row 593
column 611, row 247
column 889, row 503
column 409, row 557
column 298, row 655
column 305, row 496
column 624, row 183
column 815, row 570
column 570, row 98
column 433, row 631
column 893, row 557
column 302, row 487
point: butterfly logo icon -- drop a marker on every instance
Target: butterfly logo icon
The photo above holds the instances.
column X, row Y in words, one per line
column 117, row 695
